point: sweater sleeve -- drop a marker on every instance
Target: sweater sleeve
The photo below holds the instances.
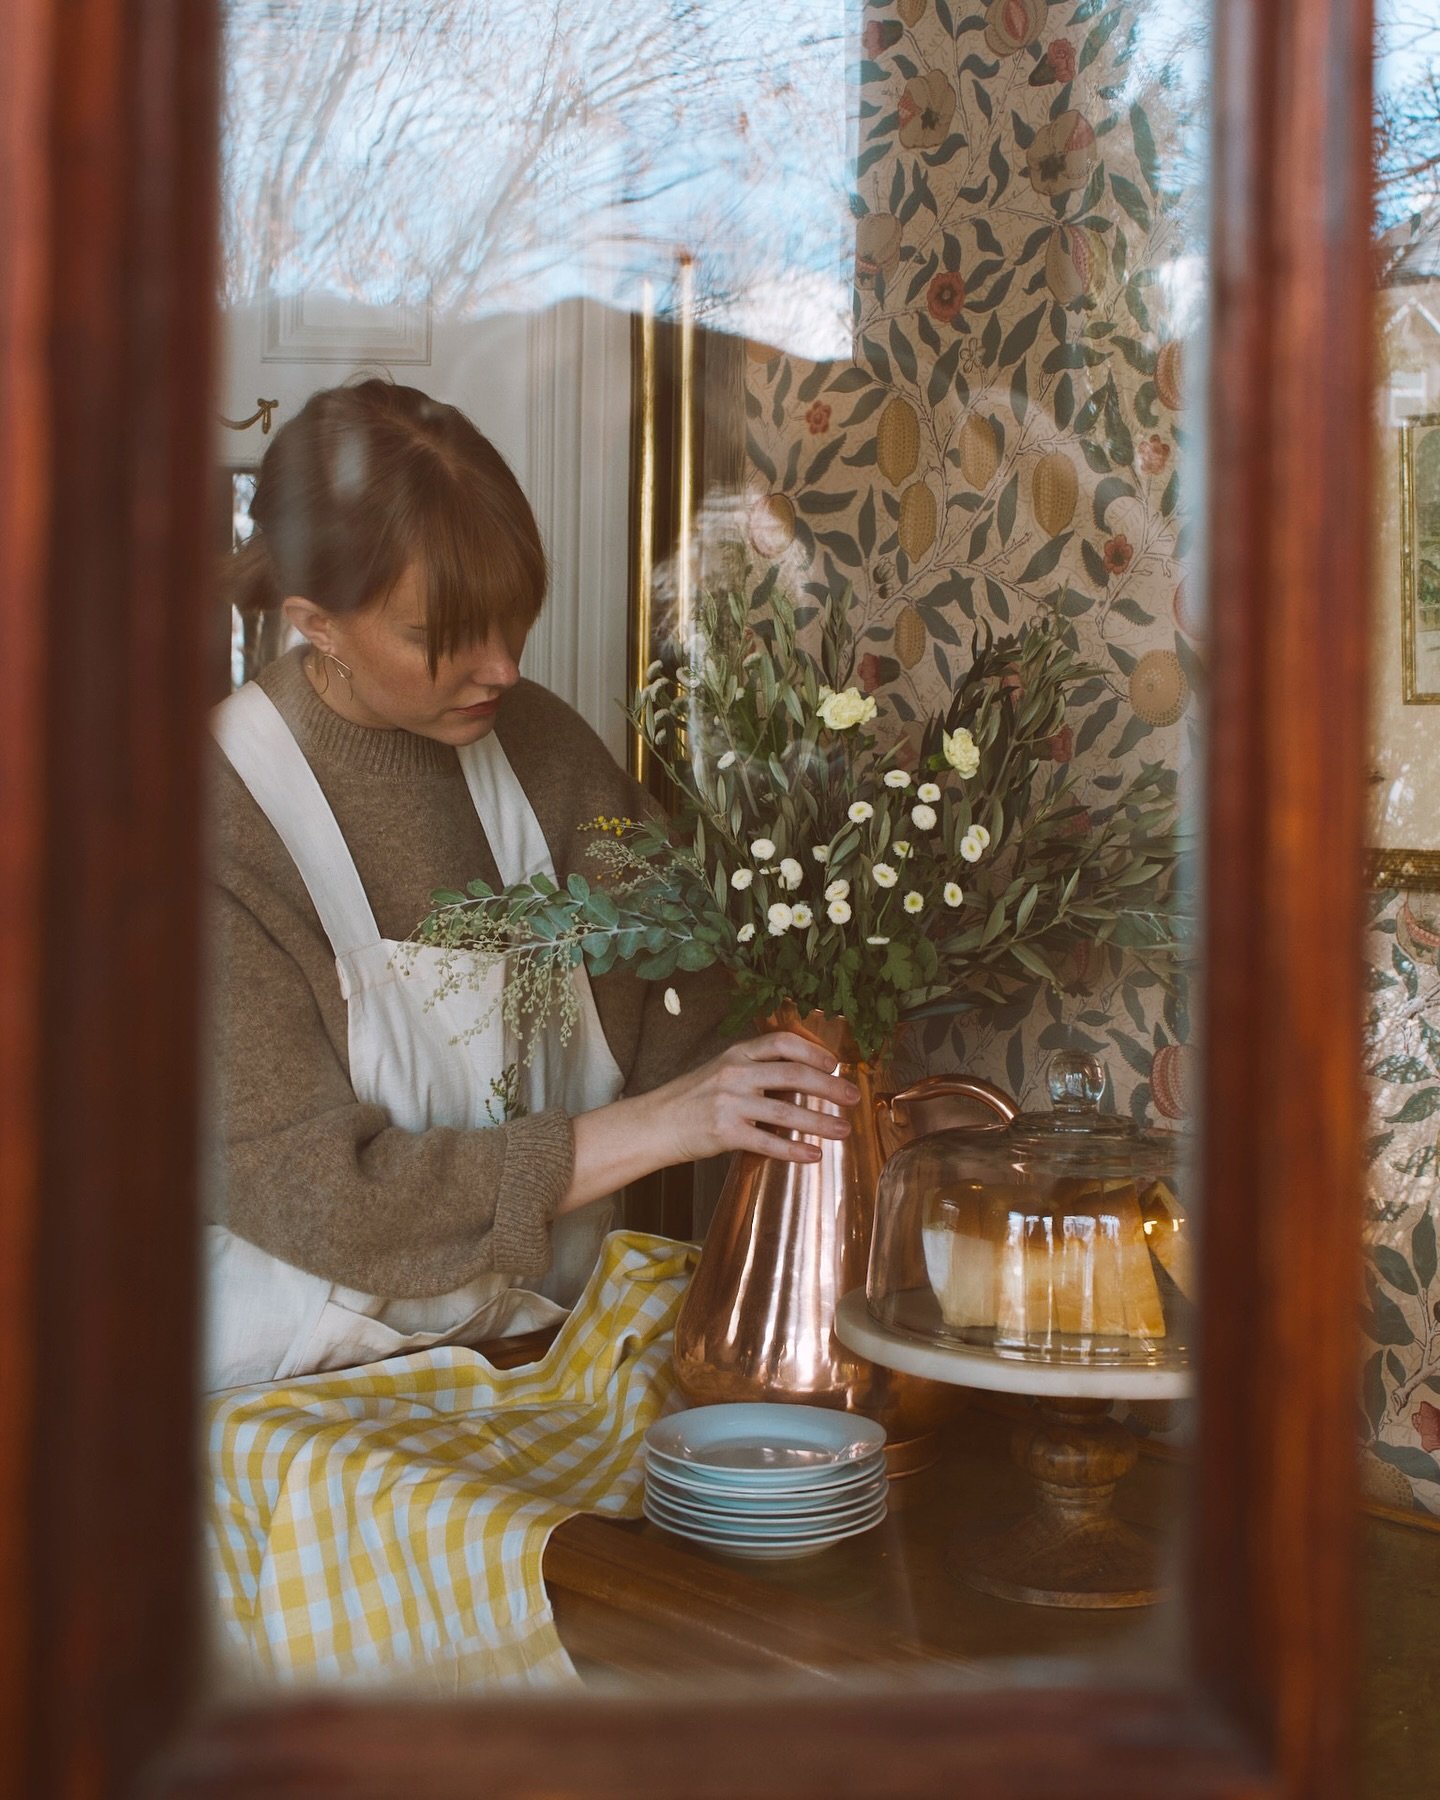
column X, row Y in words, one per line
column 322, row 1181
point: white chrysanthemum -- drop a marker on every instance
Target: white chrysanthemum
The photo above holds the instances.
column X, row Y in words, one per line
column 821, row 853
column 928, row 792
column 762, row 849
column 860, row 812
column 745, row 933
column 952, row 893
column 841, row 711
column 925, row 817
column 727, row 761
column 791, row 873
column 742, row 878
column 961, row 752
column 914, row 901
column 884, row 875
column 877, row 940
column 780, row 918
column 971, row 848
column 896, row 778
column 838, row 912
column 655, row 668
column 981, row 835
column 838, row 890
column 801, row 916
column 672, row 1002
column 901, row 848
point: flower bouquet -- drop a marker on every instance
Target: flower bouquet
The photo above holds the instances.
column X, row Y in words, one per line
column 826, row 865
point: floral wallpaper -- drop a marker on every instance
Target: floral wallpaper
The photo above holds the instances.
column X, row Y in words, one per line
column 1009, row 433
column 1400, row 1390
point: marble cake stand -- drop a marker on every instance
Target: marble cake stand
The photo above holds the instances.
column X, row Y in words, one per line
column 1070, row 1550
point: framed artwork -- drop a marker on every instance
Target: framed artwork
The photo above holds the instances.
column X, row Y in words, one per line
column 1420, row 560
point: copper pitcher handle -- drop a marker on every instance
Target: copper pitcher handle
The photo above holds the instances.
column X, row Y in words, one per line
column 958, row 1087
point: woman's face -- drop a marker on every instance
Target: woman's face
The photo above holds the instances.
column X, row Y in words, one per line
column 391, row 687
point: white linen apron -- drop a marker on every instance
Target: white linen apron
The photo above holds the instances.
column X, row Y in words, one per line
column 268, row 1320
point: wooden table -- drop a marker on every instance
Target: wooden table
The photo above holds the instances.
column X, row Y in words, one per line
column 633, row 1601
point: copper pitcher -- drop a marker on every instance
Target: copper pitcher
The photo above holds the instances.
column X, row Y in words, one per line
column 788, row 1239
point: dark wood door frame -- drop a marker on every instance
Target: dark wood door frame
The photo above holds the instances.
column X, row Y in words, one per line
column 107, row 119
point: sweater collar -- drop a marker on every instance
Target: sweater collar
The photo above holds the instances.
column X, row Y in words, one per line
column 325, row 737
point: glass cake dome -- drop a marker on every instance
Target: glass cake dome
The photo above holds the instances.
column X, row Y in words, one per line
column 1059, row 1238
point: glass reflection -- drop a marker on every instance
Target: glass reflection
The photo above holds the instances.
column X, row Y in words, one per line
column 847, row 359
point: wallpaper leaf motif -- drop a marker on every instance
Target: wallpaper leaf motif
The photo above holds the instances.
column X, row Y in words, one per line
column 1007, row 437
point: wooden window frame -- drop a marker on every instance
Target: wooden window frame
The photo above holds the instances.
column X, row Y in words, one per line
column 107, row 115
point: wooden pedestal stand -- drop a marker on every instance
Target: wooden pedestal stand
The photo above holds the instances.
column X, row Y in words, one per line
column 1070, row 1550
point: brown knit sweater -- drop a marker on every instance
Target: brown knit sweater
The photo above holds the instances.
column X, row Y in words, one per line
column 306, row 1171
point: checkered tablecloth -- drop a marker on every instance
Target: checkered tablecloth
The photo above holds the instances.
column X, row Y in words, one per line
column 389, row 1522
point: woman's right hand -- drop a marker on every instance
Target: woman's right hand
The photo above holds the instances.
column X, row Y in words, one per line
column 732, row 1102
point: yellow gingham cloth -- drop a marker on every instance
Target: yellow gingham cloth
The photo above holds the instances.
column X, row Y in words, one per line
column 388, row 1522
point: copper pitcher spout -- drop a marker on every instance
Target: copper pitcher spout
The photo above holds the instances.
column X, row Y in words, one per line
column 896, row 1114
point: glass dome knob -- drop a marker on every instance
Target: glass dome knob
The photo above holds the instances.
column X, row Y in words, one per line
column 1076, row 1081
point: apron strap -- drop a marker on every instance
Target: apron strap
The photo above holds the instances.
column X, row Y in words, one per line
column 513, row 832
column 261, row 748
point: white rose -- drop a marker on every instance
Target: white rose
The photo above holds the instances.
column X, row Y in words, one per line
column 838, row 912
column 742, row 878
column 961, row 751
column 841, row 711
column 952, row 893
column 672, row 1002
column 896, row 778
column 727, row 761
column 924, row 817
column 860, row 812
column 914, row 901
column 781, row 919
column 762, row 849
column 802, row 917
column 928, row 792
column 981, row 836
column 884, row 875
column 838, row 890
column 877, row 940
column 791, row 873
column 971, row 848
column 821, row 853
column 745, row 933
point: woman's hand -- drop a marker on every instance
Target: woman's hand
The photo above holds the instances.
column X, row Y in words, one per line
column 730, row 1103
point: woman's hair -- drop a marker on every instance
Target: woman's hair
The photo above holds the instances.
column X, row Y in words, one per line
column 368, row 478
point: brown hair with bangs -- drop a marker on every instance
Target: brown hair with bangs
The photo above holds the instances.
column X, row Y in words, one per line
column 365, row 480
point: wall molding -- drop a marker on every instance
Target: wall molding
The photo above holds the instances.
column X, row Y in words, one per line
column 578, row 480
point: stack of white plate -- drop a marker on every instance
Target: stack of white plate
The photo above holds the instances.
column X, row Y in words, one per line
column 765, row 1481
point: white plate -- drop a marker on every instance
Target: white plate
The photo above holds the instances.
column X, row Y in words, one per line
column 772, row 1530
column 763, row 1552
column 760, row 1439
column 728, row 1490
column 763, row 1506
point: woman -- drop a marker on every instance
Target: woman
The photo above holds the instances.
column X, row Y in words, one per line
column 396, row 1172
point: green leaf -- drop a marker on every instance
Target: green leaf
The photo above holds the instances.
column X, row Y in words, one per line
column 1132, row 200
column 1005, row 512
column 1409, row 1461
column 1145, row 154
column 1021, row 336
column 1417, row 1107
column 1373, row 1390
column 1045, row 558
column 1393, row 1268
column 1387, row 1324
column 601, row 909
column 1114, row 487
column 1422, row 1248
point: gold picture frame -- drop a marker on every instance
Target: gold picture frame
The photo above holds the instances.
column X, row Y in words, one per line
column 1419, row 571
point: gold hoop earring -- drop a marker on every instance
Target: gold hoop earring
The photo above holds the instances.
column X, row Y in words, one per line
column 320, row 661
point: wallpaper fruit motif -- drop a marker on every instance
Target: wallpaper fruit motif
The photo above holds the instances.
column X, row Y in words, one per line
column 1400, row 1391
column 1007, row 436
